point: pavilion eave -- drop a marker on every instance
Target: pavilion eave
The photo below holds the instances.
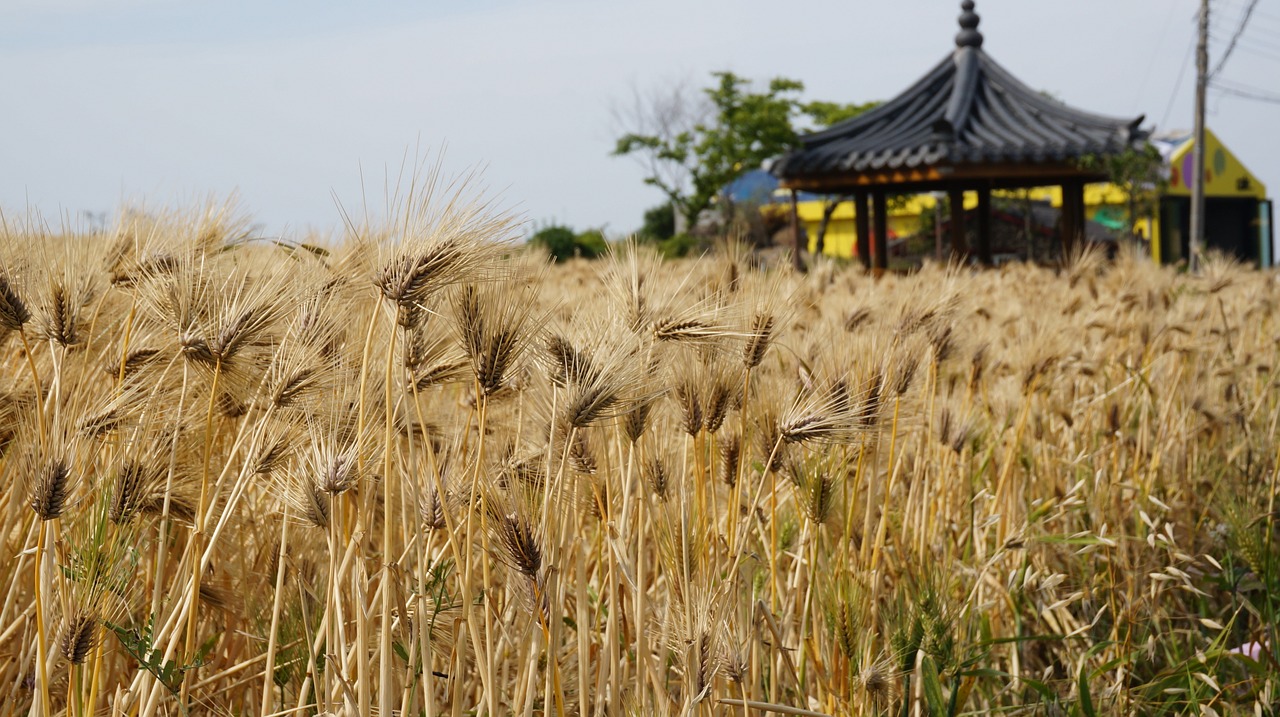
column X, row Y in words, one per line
column 925, row 179
column 966, row 125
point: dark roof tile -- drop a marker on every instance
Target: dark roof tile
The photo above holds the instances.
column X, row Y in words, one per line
column 966, row 110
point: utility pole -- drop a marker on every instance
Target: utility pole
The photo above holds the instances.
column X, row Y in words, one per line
column 1197, row 184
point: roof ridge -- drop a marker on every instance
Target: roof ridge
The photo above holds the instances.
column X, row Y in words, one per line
column 968, row 109
column 968, row 73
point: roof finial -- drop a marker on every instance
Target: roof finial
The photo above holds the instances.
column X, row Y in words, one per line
column 968, row 35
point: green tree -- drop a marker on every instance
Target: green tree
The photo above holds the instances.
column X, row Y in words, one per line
column 562, row 243
column 1138, row 171
column 825, row 114
column 659, row 222
column 556, row 239
column 691, row 156
column 591, row 244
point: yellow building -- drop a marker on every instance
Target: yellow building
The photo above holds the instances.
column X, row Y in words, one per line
column 1238, row 215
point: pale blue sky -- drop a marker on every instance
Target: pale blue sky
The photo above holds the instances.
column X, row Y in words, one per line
column 166, row 102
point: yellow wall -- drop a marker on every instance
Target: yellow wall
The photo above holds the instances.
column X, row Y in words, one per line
column 905, row 215
column 1225, row 175
column 904, row 219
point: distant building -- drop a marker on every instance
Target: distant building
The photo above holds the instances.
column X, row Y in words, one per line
column 971, row 131
column 1238, row 221
column 1238, row 215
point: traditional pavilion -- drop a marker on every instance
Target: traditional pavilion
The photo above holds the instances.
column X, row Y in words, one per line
column 967, row 125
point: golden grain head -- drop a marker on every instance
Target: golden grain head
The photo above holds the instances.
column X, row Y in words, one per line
column 13, row 310
column 416, row 469
column 49, row 486
column 78, row 637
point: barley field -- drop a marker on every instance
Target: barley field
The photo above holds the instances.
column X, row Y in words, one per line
column 419, row 471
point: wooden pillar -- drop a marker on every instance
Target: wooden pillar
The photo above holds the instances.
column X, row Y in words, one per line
column 1072, row 215
column 1066, row 232
column 797, row 244
column 862, row 222
column 880, row 253
column 959, row 244
column 1078, row 201
column 984, row 225
column 938, row 254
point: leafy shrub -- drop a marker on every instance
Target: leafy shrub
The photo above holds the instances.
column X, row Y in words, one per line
column 591, row 244
column 557, row 240
column 562, row 243
column 679, row 245
column 659, row 223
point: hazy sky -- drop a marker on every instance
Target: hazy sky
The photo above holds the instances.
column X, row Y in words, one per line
column 161, row 103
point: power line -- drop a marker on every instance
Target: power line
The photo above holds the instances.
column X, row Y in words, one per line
column 1270, row 16
column 1244, row 21
column 1177, row 85
column 1262, row 19
column 1237, row 84
column 1265, row 41
column 1164, row 32
column 1265, row 53
column 1247, row 41
column 1241, row 89
column 1243, row 94
column 1273, row 56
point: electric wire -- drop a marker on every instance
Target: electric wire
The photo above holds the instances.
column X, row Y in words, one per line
column 1244, row 94
column 1177, row 84
column 1235, row 37
column 1243, row 89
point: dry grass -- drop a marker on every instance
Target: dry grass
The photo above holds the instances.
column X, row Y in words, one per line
column 422, row 473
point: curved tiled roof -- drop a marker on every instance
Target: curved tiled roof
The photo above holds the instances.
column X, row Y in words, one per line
column 966, row 110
